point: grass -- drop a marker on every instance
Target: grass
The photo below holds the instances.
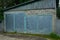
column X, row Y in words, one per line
column 52, row 36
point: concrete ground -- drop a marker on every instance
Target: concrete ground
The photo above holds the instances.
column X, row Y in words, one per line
column 19, row 37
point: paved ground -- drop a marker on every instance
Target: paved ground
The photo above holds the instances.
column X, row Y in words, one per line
column 19, row 37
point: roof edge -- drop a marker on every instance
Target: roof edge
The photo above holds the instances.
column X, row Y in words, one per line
column 22, row 4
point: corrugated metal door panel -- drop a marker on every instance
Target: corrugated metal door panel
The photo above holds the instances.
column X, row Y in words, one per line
column 45, row 24
column 39, row 24
column 31, row 24
column 19, row 22
column 9, row 23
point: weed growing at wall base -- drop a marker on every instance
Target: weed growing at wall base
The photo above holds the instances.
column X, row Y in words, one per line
column 52, row 36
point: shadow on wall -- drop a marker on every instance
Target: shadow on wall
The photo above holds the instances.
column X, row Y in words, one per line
column 1, row 27
column 58, row 26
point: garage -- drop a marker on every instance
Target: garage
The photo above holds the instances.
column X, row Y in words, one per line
column 34, row 17
column 26, row 22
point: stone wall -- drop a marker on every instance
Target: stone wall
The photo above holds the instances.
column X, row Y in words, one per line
column 57, row 26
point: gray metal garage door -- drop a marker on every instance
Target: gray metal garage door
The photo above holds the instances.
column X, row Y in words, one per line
column 35, row 24
column 39, row 24
column 9, row 23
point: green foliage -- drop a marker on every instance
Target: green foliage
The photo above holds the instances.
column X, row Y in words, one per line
column 58, row 9
column 57, row 3
column 1, row 16
column 10, row 3
column 1, row 12
column 58, row 13
column 54, row 36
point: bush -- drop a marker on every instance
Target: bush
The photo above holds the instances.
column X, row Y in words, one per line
column 58, row 13
column 1, row 16
column 54, row 36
